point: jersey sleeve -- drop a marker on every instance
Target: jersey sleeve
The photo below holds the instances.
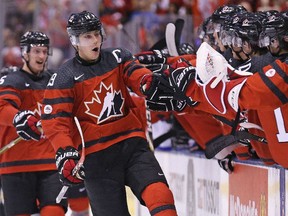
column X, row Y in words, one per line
column 10, row 97
column 266, row 89
column 132, row 70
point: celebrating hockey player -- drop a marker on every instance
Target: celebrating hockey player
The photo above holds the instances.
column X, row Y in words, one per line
column 92, row 86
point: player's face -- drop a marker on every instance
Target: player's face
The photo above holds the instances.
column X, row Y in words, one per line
column 89, row 45
column 274, row 46
column 36, row 58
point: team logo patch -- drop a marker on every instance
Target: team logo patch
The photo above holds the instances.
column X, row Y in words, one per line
column 270, row 73
column 106, row 104
column 48, row 109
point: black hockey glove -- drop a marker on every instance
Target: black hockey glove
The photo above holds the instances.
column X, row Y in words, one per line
column 66, row 160
column 181, row 74
column 151, row 57
column 186, row 48
column 157, row 68
column 26, row 125
column 166, row 104
column 153, row 89
column 226, row 163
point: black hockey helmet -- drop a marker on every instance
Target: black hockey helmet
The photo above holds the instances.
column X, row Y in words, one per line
column 226, row 11
column 33, row 39
column 247, row 27
column 274, row 26
column 79, row 23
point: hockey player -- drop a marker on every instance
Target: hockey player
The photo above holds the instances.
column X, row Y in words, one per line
column 265, row 91
column 92, row 86
column 29, row 176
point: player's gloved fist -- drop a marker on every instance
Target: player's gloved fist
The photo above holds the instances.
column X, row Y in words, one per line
column 181, row 73
column 166, row 104
column 151, row 57
column 226, row 163
column 26, row 124
column 66, row 161
column 157, row 68
column 153, row 89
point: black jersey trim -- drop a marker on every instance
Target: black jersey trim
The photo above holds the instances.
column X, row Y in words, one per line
column 52, row 116
column 109, row 138
column 280, row 71
column 9, row 92
column 27, row 162
column 162, row 208
column 58, row 100
column 281, row 96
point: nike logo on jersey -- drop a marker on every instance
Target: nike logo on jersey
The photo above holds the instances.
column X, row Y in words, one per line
column 160, row 174
column 27, row 84
column 82, row 189
column 78, row 77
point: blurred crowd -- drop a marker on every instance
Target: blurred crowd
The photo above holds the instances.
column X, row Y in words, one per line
column 51, row 15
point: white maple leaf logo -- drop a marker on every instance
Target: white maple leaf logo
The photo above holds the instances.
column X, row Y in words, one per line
column 111, row 103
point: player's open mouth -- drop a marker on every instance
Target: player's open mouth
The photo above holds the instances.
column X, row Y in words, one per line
column 96, row 49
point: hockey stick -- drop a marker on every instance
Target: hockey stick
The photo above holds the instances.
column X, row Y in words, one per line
column 173, row 36
column 15, row 141
column 161, row 44
column 10, row 145
column 149, row 130
column 179, row 24
column 170, row 39
column 78, row 165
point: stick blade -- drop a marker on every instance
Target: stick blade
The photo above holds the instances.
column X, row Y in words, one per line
column 170, row 39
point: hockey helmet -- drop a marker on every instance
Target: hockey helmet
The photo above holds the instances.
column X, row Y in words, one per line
column 79, row 23
column 274, row 27
column 223, row 12
column 33, row 39
column 247, row 27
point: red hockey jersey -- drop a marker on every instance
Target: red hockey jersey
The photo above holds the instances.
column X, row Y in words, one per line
column 97, row 94
column 22, row 91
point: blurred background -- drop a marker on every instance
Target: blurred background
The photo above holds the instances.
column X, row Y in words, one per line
column 134, row 24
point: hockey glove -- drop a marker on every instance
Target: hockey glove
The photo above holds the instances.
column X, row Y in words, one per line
column 186, row 48
column 151, row 57
column 181, row 74
column 26, row 124
column 157, row 68
column 66, row 161
column 153, row 89
column 166, row 104
column 226, row 163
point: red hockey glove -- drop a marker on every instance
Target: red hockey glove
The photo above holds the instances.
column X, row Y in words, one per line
column 26, row 124
column 181, row 74
column 66, row 160
column 151, row 57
